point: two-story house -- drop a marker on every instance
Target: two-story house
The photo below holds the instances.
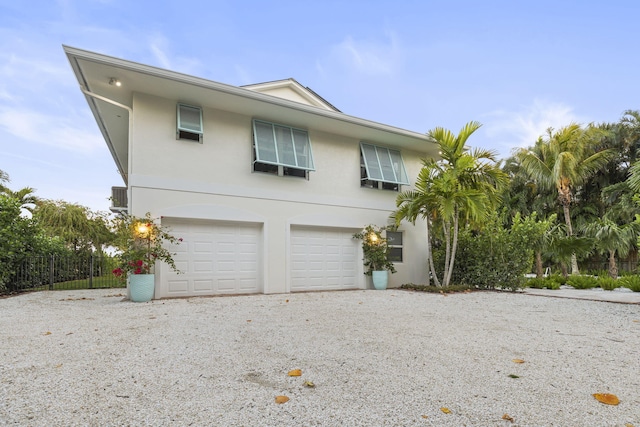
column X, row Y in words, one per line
column 265, row 183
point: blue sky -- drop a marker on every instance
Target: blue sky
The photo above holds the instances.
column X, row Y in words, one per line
column 518, row 67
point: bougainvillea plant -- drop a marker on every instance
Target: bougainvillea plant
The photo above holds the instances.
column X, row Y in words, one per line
column 142, row 242
column 375, row 249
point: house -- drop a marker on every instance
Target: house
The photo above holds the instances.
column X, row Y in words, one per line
column 265, row 183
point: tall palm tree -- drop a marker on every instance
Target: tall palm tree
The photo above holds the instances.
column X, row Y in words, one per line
column 563, row 160
column 461, row 184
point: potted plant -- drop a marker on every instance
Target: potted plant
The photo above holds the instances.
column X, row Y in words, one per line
column 376, row 255
column 142, row 243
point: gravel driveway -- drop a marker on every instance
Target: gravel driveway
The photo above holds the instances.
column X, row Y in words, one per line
column 376, row 358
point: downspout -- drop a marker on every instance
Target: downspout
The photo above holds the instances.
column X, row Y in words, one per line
column 130, row 134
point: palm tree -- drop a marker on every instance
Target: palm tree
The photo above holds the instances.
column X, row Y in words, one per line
column 4, row 177
column 563, row 160
column 461, row 184
column 612, row 238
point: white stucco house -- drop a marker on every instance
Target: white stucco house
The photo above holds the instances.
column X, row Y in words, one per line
column 265, row 183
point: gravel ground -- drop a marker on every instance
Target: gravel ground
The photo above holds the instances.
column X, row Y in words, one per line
column 377, row 358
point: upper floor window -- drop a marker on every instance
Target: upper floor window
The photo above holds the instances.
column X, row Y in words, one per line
column 381, row 167
column 189, row 123
column 281, row 150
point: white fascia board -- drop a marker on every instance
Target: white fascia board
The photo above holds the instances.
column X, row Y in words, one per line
column 413, row 140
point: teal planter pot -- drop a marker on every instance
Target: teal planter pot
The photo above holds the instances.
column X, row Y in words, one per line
column 141, row 287
column 380, row 279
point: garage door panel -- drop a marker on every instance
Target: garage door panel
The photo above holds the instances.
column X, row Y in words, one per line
column 203, row 266
column 203, row 285
column 214, row 258
column 324, row 259
column 178, row 286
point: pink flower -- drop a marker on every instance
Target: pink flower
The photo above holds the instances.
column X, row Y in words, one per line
column 137, row 271
column 139, row 263
column 117, row 272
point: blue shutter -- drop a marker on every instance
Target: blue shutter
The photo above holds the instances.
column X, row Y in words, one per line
column 384, row 164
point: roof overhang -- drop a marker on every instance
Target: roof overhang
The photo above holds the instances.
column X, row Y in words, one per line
column 94, row 72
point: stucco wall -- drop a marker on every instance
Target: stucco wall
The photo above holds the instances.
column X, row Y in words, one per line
column 214, row 180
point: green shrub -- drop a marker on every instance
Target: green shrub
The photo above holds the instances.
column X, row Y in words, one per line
column 599, row 273
column 495, row 257
column 559, row 278
column 608, row 283
column 582, row 282
column 631, row 282
column 436, row 289
column 543, row 283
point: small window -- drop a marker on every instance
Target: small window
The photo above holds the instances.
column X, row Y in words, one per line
column 395, row 244
column 281, row 150
column 189, row 123
column 381, row 168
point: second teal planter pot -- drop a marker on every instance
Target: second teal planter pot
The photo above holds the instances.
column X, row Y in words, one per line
column 380, row 279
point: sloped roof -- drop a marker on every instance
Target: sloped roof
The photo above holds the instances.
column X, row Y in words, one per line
column 301, row 93
column 111, row 104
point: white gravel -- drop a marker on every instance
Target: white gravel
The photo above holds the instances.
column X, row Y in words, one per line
column 377, row 358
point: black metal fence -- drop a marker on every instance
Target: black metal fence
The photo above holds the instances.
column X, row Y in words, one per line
column 64, row 272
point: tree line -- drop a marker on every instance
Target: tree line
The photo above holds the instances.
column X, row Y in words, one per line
column 504, row 214
column 32, row 226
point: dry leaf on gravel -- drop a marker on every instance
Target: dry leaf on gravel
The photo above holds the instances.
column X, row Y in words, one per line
column 445, row 410
column 508, row 417
column 47, row 333
column 295, row 373
column 606, row 398
column 309, row 384
column 518, row 361
column 281, row 399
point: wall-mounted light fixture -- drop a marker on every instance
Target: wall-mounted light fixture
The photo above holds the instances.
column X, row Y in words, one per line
column 115, row 82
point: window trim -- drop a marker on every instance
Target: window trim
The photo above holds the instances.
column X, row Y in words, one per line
column 381, row 151
column 279, row 163
column 187, row 133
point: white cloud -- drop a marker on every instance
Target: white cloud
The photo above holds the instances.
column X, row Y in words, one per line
column 48, row 129
column 160, row 47
column 513, row 129
column 157, row 45
column 383, row 58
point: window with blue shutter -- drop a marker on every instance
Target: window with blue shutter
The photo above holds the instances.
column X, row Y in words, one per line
column 382, row 167
column 281, row 150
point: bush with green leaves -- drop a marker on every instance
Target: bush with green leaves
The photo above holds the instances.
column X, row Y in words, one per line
column 549, row 282
column 19, row 237
column 495, row 257
column 631, row 282
column 559, row 278
column 582, row 282
column 608, row 283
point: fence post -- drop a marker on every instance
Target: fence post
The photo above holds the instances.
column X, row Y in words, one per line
column 51, row 271
column 91, row 272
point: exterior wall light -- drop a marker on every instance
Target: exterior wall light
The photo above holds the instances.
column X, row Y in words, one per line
column 115, row 82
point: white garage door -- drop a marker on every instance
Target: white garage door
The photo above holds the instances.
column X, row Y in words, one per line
column 324, row 259
column 214, row 258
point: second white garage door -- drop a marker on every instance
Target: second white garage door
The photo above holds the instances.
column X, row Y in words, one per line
column 214, row 258
column 324, row 259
